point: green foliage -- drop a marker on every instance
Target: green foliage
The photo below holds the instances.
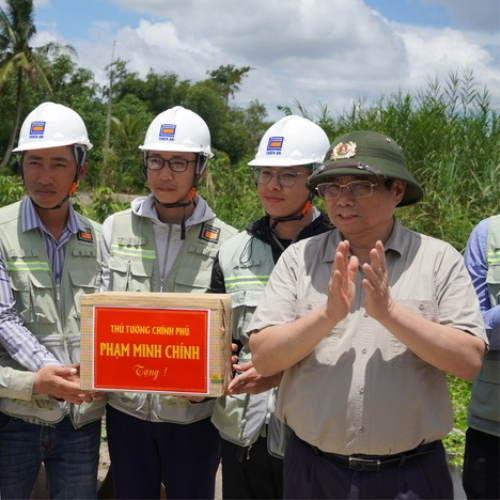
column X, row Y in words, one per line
column 231, row 192
column 123, row 172
column 104, row 204
column 455, row 441
column 227, row 79
column 11, row 189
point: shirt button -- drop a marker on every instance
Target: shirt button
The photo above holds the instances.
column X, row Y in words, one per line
column 309, row 306
column 361, row 429
column 361, row 390
column 363, row 350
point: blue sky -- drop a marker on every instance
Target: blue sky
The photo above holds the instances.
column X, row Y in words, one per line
column 318, row 52
column 411, row 12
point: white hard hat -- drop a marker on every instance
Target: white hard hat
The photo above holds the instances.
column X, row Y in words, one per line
column 178, row 129
column 292, row 141
column 52, row 125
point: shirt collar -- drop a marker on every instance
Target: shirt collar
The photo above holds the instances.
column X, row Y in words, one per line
column 31, row 220
column 395, row 243
column 145, row 207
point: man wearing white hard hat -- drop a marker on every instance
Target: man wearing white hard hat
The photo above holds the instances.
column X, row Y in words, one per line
column 49, row 257
column 166, row 242
column 253, row 439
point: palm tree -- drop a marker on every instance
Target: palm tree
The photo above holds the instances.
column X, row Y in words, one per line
column 18, row 58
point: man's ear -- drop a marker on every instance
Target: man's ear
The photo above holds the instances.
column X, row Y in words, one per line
column 399, row 188
column 83, row 171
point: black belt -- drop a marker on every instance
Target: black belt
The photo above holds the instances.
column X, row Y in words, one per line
column 375, row 463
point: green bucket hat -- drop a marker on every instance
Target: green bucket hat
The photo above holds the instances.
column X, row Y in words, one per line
column 367, row 153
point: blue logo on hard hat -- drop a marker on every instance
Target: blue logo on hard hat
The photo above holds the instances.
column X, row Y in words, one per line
column 167, row 132
column 37, row 130
column 274, row 145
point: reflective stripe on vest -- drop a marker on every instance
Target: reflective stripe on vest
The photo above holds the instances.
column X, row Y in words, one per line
column 233, row 281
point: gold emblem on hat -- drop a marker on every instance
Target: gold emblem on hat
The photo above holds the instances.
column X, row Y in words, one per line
column 343, row 150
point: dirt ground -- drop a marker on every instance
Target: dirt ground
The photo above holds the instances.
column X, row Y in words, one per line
column 85, row 197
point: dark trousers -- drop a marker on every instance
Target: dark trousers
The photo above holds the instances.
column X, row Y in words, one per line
column 184, row 457
column 481, row 476
column 309, row 474
column 251, row 474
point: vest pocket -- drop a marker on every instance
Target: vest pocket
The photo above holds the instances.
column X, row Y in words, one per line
column 192, row 280
column 21, row 288
column 244, row 304
column 130, row 275
column 34, row 296
column 485, row 394
column 230, row 418
column 84, row 281
column 132, row 401
column 493, row 281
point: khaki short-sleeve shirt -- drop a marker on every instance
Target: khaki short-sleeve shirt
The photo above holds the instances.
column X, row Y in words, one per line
column 362, row 390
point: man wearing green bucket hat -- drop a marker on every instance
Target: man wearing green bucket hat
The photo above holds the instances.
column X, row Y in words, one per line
column 365, row 321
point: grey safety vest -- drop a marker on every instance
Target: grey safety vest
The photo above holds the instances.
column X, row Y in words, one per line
column 246, row 263
column 484, row 406
column 133, row 266
column 51, row 313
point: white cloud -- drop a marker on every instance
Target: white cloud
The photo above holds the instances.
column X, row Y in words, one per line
column 314, row 51
column 436, row 53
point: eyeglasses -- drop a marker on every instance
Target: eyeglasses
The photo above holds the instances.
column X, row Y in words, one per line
column 175, row 164
column 357, row 189
column 286, row 178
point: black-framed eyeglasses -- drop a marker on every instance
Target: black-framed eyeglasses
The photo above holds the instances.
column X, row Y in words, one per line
column 175, row 164
column 357, row 189
column 286, row 178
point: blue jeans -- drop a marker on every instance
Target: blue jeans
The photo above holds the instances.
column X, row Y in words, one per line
column 71, row 458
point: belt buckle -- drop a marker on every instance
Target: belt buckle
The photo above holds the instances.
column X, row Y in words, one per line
column 364, row 464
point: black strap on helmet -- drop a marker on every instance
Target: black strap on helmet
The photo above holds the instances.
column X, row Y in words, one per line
column 298, row 216
column 183, row 204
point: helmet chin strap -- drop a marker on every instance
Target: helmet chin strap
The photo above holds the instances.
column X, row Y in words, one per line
column 71, row 191
column 183, row 204
column 305, row 209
